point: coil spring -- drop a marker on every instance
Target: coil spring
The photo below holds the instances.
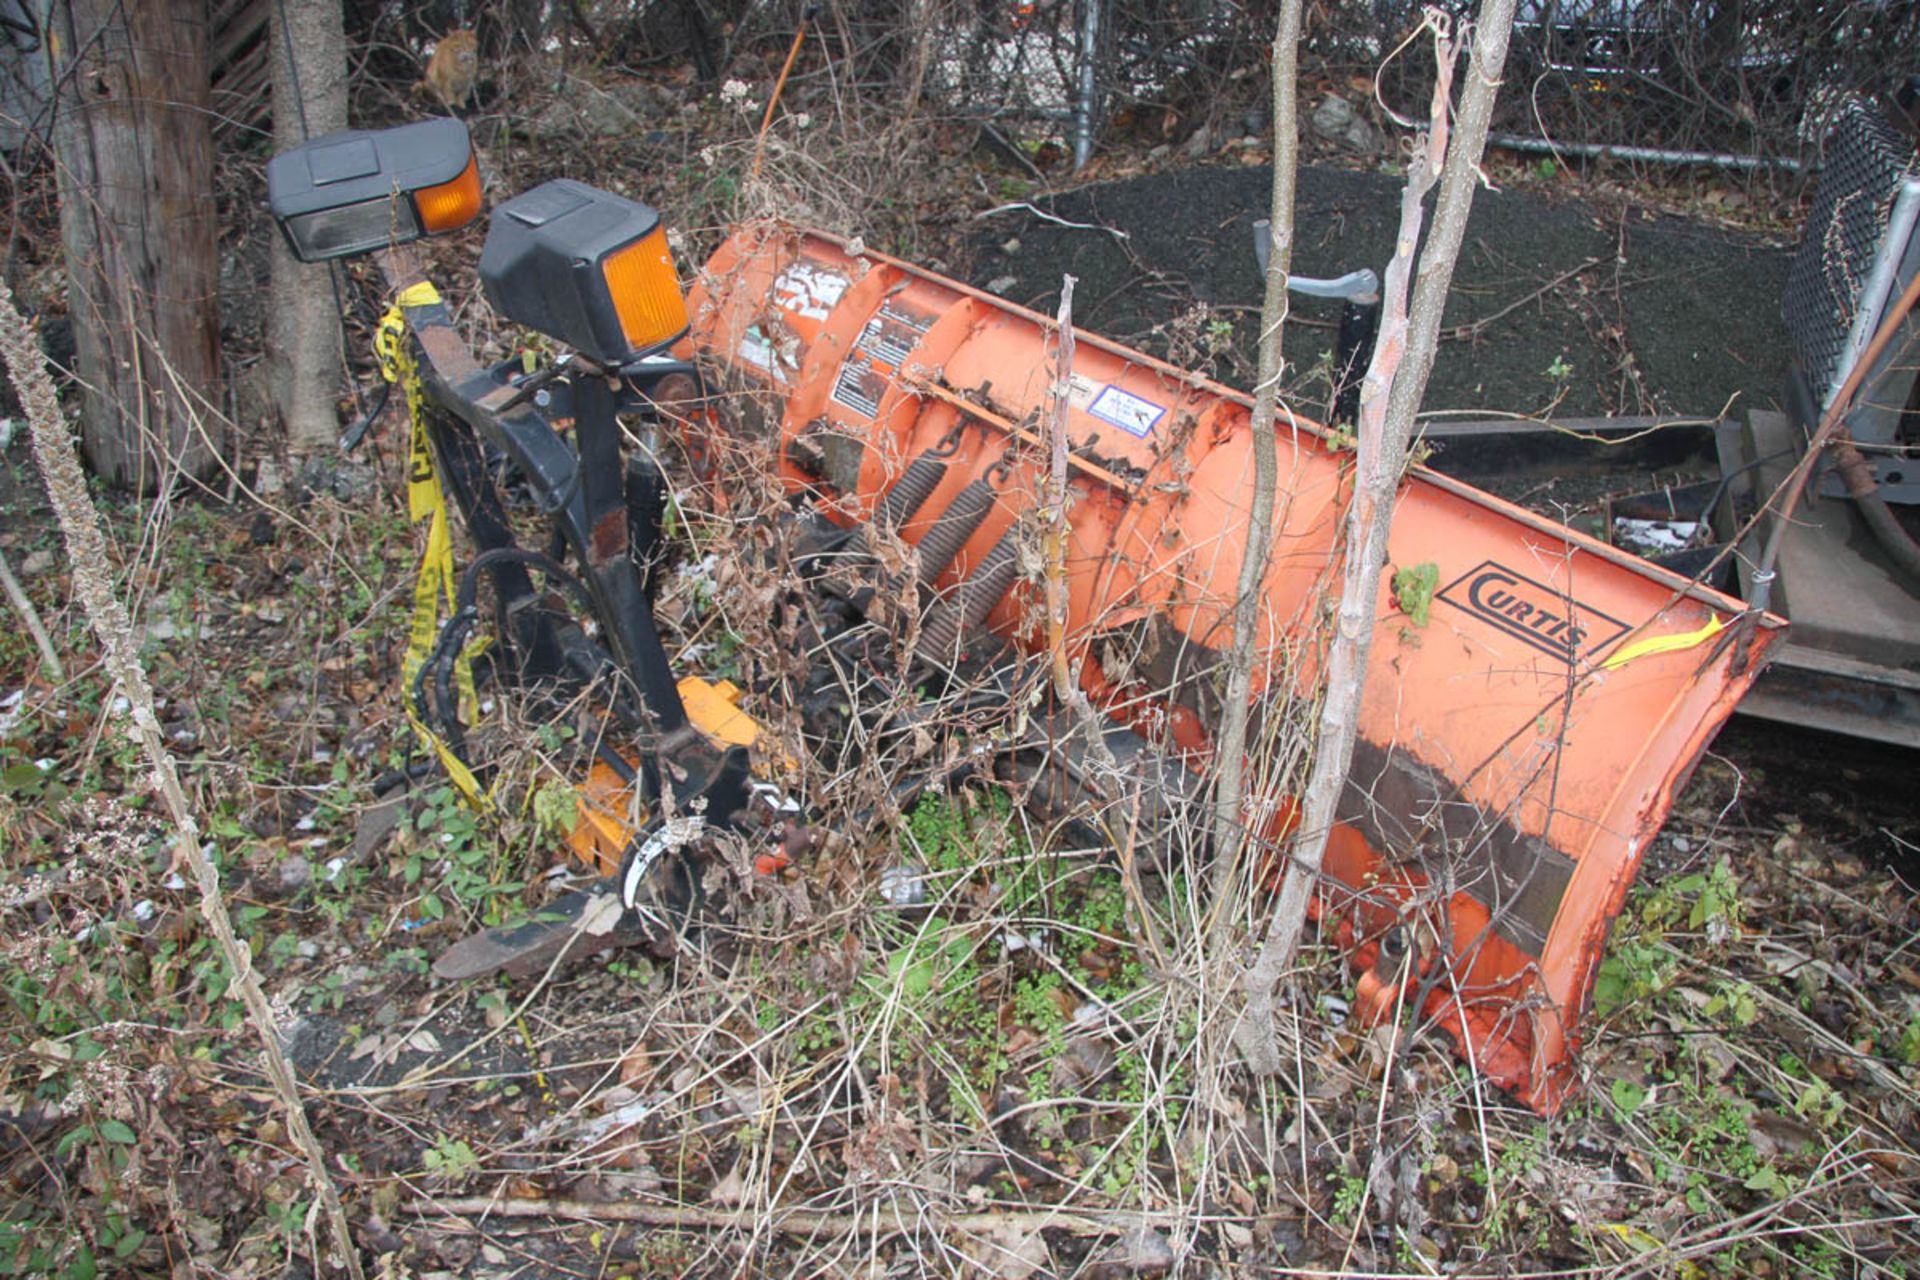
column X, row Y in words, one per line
column 906, row 496
column 952, row 528
column 969, row 604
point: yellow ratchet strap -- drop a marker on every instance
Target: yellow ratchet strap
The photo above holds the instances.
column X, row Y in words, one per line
column 437, row 582
column 1663, row 644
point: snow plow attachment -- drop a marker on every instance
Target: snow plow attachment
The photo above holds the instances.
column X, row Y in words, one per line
column 1524, row 726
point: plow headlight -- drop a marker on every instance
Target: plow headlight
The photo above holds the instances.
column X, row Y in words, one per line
column 348, row 193
column 586, row 267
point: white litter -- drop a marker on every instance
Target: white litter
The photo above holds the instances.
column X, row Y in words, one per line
column 1654, row 535
column 903, row 886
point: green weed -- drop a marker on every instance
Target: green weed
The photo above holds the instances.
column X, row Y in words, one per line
column 1349, row 1191
column 450, row 1158
column 470, row 864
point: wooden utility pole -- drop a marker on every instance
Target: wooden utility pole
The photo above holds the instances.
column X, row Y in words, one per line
column 134, row 152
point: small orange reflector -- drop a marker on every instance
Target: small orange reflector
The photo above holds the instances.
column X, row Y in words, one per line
column 451, row 204
column 714, row 708
column 646, row 291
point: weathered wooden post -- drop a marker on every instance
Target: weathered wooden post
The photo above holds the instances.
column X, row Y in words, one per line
column 134, row 153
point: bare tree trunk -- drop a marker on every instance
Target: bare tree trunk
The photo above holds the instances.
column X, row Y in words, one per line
column 1396, row 381
column 309, row 51
column 92, row 582
column 921, row 19
column 1231, row 749
column 134, row 152
column 1055, row 508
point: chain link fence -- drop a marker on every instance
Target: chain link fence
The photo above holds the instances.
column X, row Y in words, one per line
column 1752, row 81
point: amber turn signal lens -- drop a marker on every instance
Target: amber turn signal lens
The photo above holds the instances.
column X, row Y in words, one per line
column 451, row 204
column 646, row 291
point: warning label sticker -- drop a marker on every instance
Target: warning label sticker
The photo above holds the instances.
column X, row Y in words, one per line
column 891, row 336
column 807, row 291
column 1126, row 411
column 859, row 387
column 887, row 340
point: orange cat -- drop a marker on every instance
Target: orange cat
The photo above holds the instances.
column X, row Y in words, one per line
column 451, row 69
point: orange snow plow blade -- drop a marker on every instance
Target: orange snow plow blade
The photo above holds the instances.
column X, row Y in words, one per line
column 1522, row 733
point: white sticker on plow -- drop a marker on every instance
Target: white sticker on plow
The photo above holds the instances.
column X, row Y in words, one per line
column 806, row 290
column 755, row 349
column 1126, row 411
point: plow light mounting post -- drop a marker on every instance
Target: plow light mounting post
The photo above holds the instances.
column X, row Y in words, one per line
column 348, row 193
column 586, row 267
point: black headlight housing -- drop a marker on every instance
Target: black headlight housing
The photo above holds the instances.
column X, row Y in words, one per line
column 348, row 193
column 587, row 267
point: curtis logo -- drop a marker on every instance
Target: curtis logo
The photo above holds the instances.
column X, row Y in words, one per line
column 1549, row 620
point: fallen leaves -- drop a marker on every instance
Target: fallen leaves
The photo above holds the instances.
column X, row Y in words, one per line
column 730, row 1191
column 1010, row 1251
column 385, row 1048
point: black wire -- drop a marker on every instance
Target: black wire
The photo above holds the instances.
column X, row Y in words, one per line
column 350, row 438
column 293, row 70
column 443, row 709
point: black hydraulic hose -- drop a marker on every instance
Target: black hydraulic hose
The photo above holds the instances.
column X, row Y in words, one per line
column 446, row 702
column 469, row 593
column 446, row 709
column 470, row 580
column 412, row 772
column 443, row 709
column 438, row 664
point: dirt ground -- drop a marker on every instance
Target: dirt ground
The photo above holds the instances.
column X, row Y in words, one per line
column 1588, row 308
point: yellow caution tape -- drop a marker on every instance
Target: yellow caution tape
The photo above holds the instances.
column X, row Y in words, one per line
column 425, row 501
column 1663, row 644
column 533, row 1055
column 1643, row 1241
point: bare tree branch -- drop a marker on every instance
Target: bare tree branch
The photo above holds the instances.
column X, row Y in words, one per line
column 1231, row 749
column 1396, row 380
